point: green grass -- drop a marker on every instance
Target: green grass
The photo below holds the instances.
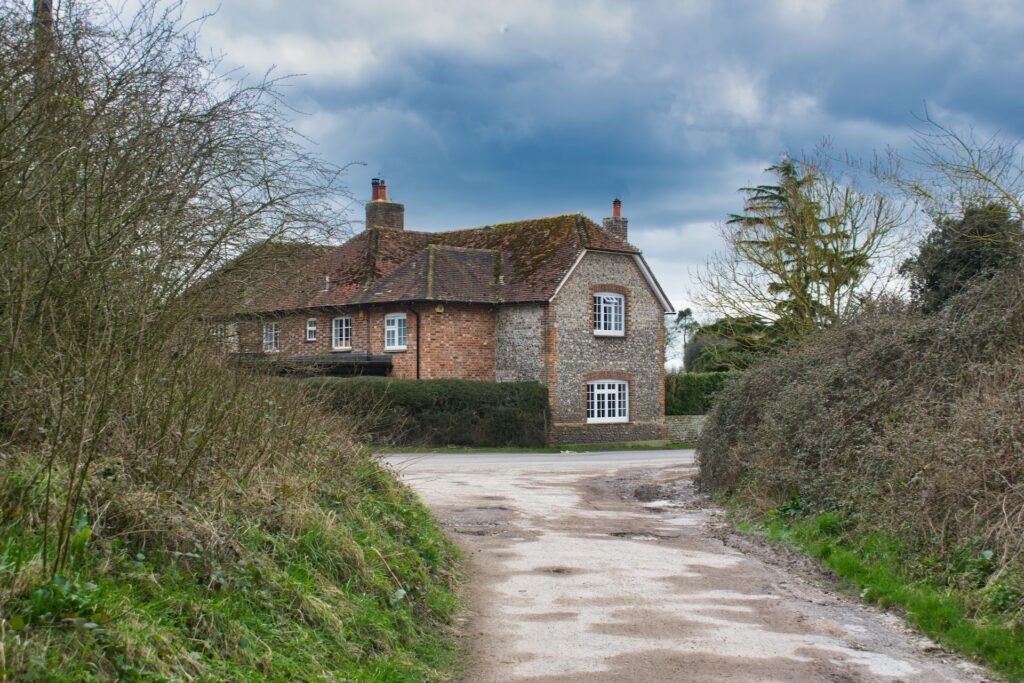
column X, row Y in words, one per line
column 358, row 587
column 574, row 448
column 878, row 567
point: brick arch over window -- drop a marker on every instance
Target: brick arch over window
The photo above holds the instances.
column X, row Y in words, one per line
column 607, row 374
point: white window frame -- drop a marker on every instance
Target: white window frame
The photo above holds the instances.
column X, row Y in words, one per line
column 391, row 332
column 271, row 337
column 340, row 341
column 311, row 329
column 609, row 314
column 607, row 401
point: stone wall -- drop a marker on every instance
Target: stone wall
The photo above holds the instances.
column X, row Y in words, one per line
column 577, row 355
column 684, row 428
column 519, row 343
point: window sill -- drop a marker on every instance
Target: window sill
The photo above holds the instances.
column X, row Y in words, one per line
column 271, row 350
column 310, row 341
column 607, row 420
column 397, row 349
column 600, row 333
column 342, row 349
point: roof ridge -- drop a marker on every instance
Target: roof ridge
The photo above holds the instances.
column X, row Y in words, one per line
column 490, row 226
column 452, row 247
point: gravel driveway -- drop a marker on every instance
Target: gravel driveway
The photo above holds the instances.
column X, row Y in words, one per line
column 608, row 567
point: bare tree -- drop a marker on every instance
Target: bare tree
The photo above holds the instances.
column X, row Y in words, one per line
column 130, row 169
column 949, row 170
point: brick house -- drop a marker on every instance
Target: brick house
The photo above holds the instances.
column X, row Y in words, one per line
column 556, row 300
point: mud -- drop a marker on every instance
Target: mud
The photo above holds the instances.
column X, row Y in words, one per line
column 604, row 570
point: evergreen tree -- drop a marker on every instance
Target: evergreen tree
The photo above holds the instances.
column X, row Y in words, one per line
column 960, row 250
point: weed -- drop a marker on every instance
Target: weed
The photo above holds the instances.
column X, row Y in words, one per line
column 876, row 566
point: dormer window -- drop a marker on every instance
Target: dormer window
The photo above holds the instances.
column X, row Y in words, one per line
column 327, row 283
column 609, row 314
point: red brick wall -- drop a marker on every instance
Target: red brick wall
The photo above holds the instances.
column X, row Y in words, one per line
column 292, row 340
column 457, row 342
column 403, row 363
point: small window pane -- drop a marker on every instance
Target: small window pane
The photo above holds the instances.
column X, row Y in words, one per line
column 271, row 336
column 607, row 401
column 395, row 331
column 609, row 314
column 341, row 333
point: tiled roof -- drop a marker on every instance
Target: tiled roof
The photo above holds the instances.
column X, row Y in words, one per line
column 510, row 262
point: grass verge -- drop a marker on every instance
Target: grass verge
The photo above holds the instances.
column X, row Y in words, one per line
column 354, row 583
column 880, row 569
column 573, row 448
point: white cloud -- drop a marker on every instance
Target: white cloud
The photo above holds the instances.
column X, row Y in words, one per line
column 343, row 62
column 804, row 11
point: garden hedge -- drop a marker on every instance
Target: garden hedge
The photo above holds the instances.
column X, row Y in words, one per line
column 690, row 393
column 401, row 412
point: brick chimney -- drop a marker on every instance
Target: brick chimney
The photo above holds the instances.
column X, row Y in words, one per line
column 615, row 225
column 380, row 211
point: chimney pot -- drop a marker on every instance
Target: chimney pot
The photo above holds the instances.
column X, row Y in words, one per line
column 375, row 189
column 382, row 213
column 616, row 225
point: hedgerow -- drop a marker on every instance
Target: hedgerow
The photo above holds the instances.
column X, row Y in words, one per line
column 905, row 425
column 691, row 393
column 399, row 412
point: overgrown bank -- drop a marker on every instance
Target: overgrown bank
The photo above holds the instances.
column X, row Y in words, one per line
column 315, row 564
column 891, row 447
column 163, row 516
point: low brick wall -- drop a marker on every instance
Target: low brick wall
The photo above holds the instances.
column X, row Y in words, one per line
column 684, row 428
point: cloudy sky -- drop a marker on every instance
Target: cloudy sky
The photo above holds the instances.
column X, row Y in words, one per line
column 478, row 111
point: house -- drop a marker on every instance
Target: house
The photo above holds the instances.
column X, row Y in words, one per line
column 556, row 300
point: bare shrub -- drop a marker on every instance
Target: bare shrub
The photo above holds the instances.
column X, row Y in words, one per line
column 909, row 423
column 129, row 171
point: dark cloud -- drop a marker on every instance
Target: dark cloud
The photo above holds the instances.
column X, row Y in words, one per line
column 480, row 111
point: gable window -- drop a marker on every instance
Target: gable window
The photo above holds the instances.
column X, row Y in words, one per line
column 609, row 314
column 341, row 334
column 271, row 337
column 394, row 332
column 311, row 329
column 607, row 401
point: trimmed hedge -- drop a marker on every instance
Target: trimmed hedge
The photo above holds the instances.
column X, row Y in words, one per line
column 690, row 393
column 441, row 412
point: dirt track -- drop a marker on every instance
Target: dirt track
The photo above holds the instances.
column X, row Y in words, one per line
column 609, row 568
